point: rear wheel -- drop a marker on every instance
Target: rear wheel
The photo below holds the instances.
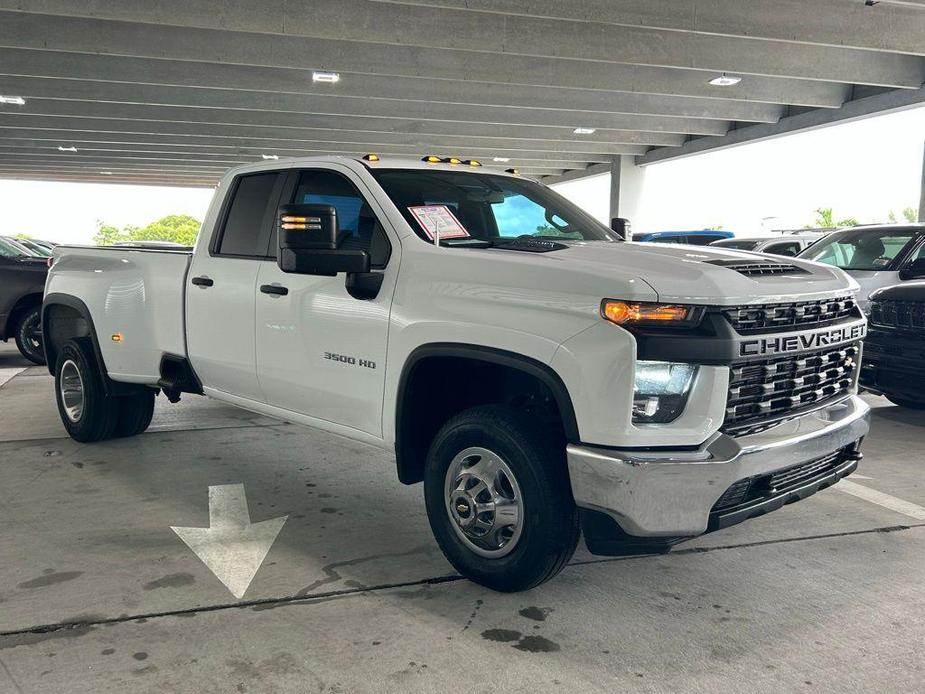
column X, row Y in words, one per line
column 135, row 412
column 29, row 335
column 499, row 500
column 907, row 402
column 88, row 414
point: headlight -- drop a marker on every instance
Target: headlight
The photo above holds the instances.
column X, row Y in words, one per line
column 636, row 313
column 660, row 391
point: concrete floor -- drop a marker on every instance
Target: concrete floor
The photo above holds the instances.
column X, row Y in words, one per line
column 97, row 594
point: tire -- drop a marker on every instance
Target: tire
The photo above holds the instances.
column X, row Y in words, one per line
column 507, row 558
column 908, row 403
column 135, row 412
column 29, row 344
column 88, row 414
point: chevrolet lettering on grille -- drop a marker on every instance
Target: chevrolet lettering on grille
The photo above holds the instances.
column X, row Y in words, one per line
column 784, row 344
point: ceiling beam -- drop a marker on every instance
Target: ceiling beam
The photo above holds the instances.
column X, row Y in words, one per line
column 553, row 128
column 276, row 30
column 55, row 160
column 394, row 132
column 384, row 49
column 810, row 120
column 41, row 92
column 886, row 26
column 165, row 181
column 9, row 148
column 294, row 88
column 51, row 132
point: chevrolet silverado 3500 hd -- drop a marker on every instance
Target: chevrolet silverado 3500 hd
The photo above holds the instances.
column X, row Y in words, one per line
column 538, row 374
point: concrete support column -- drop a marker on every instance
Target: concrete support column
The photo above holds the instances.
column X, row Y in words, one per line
column 627, row 182
column 922, row 193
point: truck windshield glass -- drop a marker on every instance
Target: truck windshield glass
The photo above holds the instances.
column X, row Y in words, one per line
column 488, row 207
column 861, row 249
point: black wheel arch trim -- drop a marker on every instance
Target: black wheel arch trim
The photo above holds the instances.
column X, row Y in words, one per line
column 110, row 387
column 543, row 372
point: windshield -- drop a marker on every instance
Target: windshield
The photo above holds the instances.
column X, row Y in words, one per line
column 460, row 206
column 861, row 249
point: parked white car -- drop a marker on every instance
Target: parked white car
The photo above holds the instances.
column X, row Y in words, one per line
column 875, row 256
column 537, row 373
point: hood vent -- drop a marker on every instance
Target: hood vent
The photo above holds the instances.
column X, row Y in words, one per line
column 759, row 267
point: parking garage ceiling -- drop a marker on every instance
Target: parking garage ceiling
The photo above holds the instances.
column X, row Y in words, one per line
column 176, row 91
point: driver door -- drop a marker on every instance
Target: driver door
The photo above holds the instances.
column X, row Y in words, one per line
column 320, row 350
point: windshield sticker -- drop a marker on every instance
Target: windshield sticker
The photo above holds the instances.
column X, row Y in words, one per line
column 436, row 219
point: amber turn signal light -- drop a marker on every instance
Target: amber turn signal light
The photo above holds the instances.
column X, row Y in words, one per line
column 635, row 313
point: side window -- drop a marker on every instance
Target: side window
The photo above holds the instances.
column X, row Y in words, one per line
column 248, row 216
column 354, row 215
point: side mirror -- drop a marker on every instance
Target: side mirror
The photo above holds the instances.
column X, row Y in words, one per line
column 913, row 271
column 621, row 227
column 309, row 239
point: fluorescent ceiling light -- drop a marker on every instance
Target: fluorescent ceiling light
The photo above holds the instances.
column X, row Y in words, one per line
column 501, row 159
column 269, row 156
column 584, row 131
column 725, row 80
column 18, row 100
column 106, row 173
column 328, row 77
column 66, row 149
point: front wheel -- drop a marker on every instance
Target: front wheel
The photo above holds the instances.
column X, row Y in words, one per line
column 29, row 335
column 499, row 500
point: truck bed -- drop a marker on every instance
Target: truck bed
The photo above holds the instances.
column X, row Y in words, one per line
column 134, row 293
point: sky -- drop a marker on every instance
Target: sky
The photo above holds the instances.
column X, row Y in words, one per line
column 862, row 169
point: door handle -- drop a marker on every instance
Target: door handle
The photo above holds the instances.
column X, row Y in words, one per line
column 274, row 289
column 203, row 281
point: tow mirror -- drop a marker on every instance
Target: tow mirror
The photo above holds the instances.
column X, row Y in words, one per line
column 309, row 239
column 913, row 271
column 621, row 227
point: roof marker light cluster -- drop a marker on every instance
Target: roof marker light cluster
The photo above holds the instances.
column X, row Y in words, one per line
column 433, row 159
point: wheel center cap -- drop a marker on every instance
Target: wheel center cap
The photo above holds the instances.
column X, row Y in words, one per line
column 464, row 509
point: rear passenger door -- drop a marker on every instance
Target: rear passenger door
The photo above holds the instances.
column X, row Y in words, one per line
column 321, row 350
column 221, row 296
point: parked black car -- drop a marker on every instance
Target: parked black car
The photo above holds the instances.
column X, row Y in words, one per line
column 894, row 351
column 22, row 282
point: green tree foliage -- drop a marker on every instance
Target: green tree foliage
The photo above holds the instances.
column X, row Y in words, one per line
column 909, row 214
column 23, row 236
column 825, row 219
column 178, row 228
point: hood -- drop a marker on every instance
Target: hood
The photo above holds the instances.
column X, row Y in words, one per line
column 701, row 275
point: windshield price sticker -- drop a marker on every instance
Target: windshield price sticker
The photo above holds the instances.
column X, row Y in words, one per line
column 440, row 219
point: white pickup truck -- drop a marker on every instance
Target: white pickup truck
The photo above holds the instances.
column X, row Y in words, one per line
column 541, row 376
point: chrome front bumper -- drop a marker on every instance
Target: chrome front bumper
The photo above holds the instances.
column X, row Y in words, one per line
column 671, row 493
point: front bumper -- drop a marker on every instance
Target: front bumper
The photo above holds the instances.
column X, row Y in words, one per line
column 671, row 494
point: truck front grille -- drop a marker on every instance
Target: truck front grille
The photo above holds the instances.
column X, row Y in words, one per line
column 768, row 390
column 909, row 315
column 749, row 320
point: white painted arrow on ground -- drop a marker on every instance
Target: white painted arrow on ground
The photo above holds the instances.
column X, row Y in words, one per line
column 232, row 547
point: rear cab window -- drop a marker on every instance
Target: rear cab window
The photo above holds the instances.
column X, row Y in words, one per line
column 248, row 215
